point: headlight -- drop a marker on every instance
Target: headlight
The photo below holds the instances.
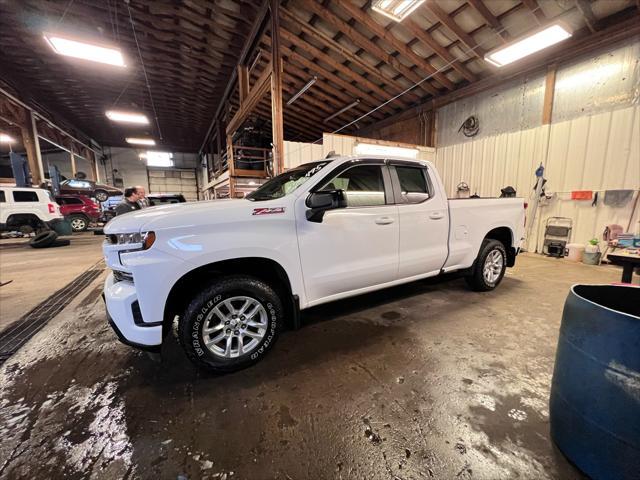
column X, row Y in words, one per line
column 145, row 238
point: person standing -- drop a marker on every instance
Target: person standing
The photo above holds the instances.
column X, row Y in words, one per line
column 130, row 201
column 142, row 196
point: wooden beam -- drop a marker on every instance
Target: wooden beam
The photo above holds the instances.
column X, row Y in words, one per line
column 277, row 128
column 549, row 92
column 332, row 94
column 362, row 82
column 398, row 45
column 257, row 29
column 465, row 38
column 255, row 94
column 32, row 146
column 426, row 38
column 243, row 82
column 490, row 18
column 365, row 43
column 533, row 6
column 590, row 19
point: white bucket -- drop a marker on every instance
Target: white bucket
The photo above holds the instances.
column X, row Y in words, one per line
column 576, row 251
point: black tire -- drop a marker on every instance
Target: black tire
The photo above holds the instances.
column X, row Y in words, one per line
column 43, row 240
column 60, row 243
column 477, row 280
column 79, row 223
column 101, row 195
column 194, row 320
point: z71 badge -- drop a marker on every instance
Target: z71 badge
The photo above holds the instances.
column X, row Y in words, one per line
column 267, row 211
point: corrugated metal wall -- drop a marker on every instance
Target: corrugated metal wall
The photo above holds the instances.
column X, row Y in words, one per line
column 595, row 152
column 592, row 144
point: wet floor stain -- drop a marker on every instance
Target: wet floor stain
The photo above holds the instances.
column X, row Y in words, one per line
column 445, row 392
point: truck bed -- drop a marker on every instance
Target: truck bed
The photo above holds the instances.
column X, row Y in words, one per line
column 470, row 221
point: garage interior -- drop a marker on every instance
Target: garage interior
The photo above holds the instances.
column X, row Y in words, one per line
column 422, row 380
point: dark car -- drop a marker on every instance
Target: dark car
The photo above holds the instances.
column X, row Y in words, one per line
column 165, row 198
column 98, row 191
column 80, row 210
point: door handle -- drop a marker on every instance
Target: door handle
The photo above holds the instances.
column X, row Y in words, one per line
column 384, row 220
column 436, row 216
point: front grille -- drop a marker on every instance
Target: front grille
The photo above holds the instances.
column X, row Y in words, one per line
column 122, row 276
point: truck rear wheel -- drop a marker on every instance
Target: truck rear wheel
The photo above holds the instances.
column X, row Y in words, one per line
column 489, row 267
column 232, row 324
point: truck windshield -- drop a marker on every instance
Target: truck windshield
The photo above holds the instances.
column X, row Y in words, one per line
column 286, row 182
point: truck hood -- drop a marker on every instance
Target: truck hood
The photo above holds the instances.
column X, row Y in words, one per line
column 180, row 215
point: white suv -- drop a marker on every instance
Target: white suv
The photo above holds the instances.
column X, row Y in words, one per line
column 30, row 207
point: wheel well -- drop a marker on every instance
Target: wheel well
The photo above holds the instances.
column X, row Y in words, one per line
column 504, row 236
column 17, row 220
column 265, row 269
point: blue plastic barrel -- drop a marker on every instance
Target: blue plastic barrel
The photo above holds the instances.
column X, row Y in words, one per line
column 595, row 393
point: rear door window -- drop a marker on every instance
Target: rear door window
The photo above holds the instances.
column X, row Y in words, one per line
column 414, row 187
column 24, row 196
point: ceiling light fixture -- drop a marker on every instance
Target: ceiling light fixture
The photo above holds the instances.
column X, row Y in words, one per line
column 85, row 51
column 341, row 111
column 528, row 45
column 4, row 138
column 302, row 90
column 375, row 149
column 140, row 141
column 127, row 117
column 396, row 10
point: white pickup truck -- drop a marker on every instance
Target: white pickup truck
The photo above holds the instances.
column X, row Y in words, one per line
column 232, row 273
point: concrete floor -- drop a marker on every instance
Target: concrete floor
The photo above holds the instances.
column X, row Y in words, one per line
column 37, row 273
column 427, row 380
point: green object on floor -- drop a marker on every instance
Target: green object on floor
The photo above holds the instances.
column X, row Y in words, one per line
column 62, row 228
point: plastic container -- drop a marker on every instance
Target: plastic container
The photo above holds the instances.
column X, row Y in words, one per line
column 575, row 252
column 591, row 258
column 594, row 409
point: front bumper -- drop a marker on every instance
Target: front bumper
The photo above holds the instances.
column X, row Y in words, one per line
column 121, row 305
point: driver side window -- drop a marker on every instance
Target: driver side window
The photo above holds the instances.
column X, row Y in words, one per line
column 363, row 185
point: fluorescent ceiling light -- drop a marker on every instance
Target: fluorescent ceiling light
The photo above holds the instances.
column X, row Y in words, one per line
column 127, row 117
column 396, row 10
column 85, row 51
column 4, row 138
column 375, row 149
column 341, row 111
column 159, row 159
column 302, row 90
column 140, row 141
column 530, row 44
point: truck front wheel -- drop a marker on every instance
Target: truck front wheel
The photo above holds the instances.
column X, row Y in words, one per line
column 489, row 266
column 232, row 324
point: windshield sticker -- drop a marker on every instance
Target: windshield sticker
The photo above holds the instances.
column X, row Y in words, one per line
column 267, row 211
column 315, row 170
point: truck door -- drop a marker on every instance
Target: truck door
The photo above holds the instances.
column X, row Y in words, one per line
column 424, row 222
column 354, row 247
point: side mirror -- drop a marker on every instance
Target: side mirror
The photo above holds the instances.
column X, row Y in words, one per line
column 320, row 202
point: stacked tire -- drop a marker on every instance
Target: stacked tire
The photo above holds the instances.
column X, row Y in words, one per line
column 47, row 239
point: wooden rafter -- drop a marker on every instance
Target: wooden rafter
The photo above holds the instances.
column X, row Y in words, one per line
column 490, row 18
column 367, row 45
column 465, row 38
column 534, row 8
column 421, row 63
column 590, row 19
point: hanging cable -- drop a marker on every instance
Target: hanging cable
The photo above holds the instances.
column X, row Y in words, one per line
column 144, row 70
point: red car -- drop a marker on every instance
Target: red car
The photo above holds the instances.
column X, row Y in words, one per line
column 80, row 210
